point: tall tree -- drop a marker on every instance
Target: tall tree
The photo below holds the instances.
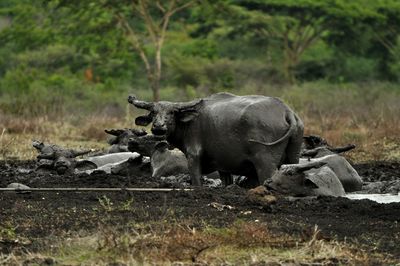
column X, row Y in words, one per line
column 156, row 17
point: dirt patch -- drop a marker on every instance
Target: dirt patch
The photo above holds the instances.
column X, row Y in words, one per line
column 379, row 171
column 38, row 216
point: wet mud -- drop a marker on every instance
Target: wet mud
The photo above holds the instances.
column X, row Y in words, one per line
column 40, row 215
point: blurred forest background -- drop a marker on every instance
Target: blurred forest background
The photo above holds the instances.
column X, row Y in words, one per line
column 67, row 66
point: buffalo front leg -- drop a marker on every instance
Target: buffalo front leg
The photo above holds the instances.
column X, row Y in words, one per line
column 194, row 169
column 264, row 168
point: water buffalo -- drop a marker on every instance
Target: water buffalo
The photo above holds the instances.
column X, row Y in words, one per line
column 309, row 179
column 54, row 157
column 243, row 135
column 120, row 138
column 316, row 147
column 144, row 145
column 134, row 166
column 95, row 162
column 166, row 162
column 346, row 174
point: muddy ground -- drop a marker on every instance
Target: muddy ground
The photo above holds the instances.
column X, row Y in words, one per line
column 369, row 225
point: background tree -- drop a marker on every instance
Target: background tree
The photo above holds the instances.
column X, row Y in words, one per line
column 156, row 17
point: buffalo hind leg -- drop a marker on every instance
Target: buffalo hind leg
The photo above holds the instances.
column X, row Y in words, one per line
column 226, row 178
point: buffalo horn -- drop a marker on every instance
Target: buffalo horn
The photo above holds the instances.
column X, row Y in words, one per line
column 308, row 166
column 140, row 104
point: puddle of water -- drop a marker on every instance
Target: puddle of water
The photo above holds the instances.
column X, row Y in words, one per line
column 380, row 198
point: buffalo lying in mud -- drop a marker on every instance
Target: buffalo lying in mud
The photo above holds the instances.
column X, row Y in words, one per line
column 346, row 174
column 57, row 158
column 330, row 175
column 315, row 147
column 165, row 161
column 309, row 179
column 144, row 145
column 120, row 138
column 243, row 135
column 62, row 160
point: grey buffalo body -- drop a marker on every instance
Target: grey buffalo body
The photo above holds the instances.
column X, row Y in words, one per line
column 54, row 157
column 102, row 160
column 166, row 162
column 120, row 138
column 310, row 179
column 134, row 166
column 144, row 145
column 347, row 175
column 316, row 147
column 243, row 135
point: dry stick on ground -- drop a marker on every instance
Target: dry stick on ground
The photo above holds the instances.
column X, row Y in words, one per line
column 93, row 189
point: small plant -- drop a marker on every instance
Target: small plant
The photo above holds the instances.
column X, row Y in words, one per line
column 106, row 203
column 7, row 232
column 127, row 205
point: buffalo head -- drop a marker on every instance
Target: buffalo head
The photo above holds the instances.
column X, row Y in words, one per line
column 292, row 179
column 165, row 115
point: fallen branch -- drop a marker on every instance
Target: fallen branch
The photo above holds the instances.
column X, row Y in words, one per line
column 93, row 189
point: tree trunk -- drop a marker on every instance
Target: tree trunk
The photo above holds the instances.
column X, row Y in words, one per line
column 155, row 87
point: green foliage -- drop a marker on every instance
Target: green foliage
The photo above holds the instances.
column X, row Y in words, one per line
column 60, row 56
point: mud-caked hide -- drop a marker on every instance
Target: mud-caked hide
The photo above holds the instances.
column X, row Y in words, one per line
column 311, row 179
column 242, row 135
column 166, row 162
column 347, row 175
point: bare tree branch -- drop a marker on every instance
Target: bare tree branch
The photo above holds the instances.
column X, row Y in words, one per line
column 132, row 37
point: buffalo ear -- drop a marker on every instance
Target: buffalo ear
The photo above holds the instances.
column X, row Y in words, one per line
column 187, row 115
column 143, row 120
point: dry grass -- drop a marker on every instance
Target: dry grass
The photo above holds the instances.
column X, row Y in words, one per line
column 16, row 134
column 243, row 243
column 375, row 141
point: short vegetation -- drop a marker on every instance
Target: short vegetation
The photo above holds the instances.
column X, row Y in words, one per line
column 67, row 67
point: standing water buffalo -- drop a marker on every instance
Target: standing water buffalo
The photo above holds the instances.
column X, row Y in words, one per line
column 243, row 135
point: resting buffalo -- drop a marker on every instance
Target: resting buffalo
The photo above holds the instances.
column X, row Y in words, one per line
column 144, row 145
column 347, row 175
column 243, row 135
column 316, row 147
column 166, row 162
column 308, row 179
column 54, row 157
column 120, row 139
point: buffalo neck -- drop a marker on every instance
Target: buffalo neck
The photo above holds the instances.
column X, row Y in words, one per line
column 178, row 137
